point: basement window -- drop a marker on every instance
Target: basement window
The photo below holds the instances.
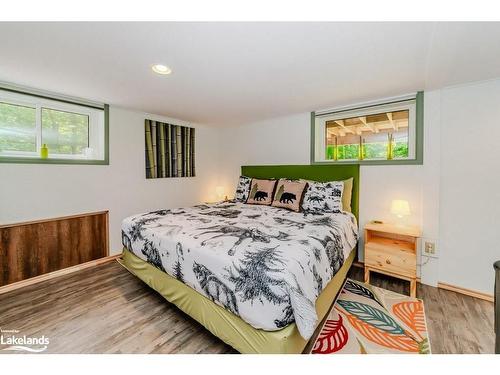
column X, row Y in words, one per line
column 38, row 128
column 382, row 133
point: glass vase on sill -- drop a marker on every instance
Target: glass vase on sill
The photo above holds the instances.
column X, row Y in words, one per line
column 390, row 146
column 44, row 151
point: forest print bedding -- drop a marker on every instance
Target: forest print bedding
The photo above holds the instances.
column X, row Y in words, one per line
column 264, row 264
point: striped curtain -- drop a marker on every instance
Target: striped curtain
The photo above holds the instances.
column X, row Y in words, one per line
column 169, row 150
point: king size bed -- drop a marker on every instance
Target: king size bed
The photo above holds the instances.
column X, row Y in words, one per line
column 258, row 277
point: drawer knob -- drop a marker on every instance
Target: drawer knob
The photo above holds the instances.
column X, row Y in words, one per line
column 388, row 261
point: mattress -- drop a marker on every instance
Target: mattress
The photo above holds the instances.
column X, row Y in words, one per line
column 225, row 325
column 264, row 264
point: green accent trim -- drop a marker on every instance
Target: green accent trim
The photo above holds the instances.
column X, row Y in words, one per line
column 106, row 134
column 313, row 134
column 320, row 173
column 369, row 162
column 419, row 131
column 56, row 98
column 365, row 107
column 419, row 141
column 39, row 160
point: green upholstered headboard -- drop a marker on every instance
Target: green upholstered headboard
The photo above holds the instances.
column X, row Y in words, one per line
column 310, row 172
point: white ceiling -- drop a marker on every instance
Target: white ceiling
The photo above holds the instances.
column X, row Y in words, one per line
column 233, row 73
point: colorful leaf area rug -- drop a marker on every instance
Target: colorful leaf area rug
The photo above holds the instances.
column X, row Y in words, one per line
column 371, row 320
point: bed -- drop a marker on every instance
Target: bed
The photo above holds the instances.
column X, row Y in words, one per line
column 260, row 278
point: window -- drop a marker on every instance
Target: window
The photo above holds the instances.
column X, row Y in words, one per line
column 72, row 133
column 379, row 136
column 17, row 128
column 386, row 133
column 65, row 132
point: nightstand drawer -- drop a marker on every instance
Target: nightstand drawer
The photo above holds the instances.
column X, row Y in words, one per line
column 399, row 261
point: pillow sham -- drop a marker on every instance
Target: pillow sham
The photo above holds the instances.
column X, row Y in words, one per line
column 261, row 192
column 242, row 189
column 323, row 197
column 347, row 194
column 289, row 194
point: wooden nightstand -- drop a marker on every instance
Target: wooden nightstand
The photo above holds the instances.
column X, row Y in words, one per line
column 392, row 250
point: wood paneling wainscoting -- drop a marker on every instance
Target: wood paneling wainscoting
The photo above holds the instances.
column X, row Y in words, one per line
column 35, row 248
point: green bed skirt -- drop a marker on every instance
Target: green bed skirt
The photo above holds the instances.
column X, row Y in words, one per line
column 225, row 325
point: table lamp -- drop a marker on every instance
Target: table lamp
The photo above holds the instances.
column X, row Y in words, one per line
column 400, row 208
column 219, row 191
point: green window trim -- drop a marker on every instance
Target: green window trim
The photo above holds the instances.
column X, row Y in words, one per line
column 5, row 86
column 38, row 160
column 419, row 142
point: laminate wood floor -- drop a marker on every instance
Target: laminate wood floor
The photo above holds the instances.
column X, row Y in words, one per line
column 105, row 309
column 456, row 323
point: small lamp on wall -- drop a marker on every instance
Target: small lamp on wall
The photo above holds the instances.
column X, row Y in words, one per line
column 220, row 191
column 400, row 208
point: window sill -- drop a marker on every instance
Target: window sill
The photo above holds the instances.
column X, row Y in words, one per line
column 26, row 160
column 370, row 162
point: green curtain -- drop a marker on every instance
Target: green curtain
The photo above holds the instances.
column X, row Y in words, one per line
column 170, row 150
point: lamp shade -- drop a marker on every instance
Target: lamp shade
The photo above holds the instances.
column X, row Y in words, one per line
column 400, row 208
column 219, row 190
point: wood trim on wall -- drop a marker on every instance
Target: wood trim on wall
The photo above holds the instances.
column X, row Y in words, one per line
column 52, row 219
column 38, row 247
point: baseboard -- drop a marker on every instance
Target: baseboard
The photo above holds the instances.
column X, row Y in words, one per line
column 358, row 264
column 51, row 275
column 453, row 288
column 467, row 292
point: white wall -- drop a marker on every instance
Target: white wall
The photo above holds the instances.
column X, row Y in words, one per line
column 37, row 191
column 470, row 185
column 286, row 140
column 454, row 196
column 430, row 182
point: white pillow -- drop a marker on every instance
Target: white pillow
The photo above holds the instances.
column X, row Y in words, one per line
column 321, row 197
column 243, row 189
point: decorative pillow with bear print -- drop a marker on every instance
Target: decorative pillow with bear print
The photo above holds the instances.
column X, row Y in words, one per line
column 289, row 194
column 243, row 189
column 261, row 192
column 321, row 197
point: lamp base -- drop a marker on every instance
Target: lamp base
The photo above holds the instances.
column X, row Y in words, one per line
column 401, row 222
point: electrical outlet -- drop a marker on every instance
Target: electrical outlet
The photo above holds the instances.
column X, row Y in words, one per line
column 430, row 248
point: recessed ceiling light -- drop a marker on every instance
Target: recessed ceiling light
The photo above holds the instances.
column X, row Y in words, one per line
column 161, row 69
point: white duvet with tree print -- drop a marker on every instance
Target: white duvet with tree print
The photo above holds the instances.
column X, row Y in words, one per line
column 264, row 264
